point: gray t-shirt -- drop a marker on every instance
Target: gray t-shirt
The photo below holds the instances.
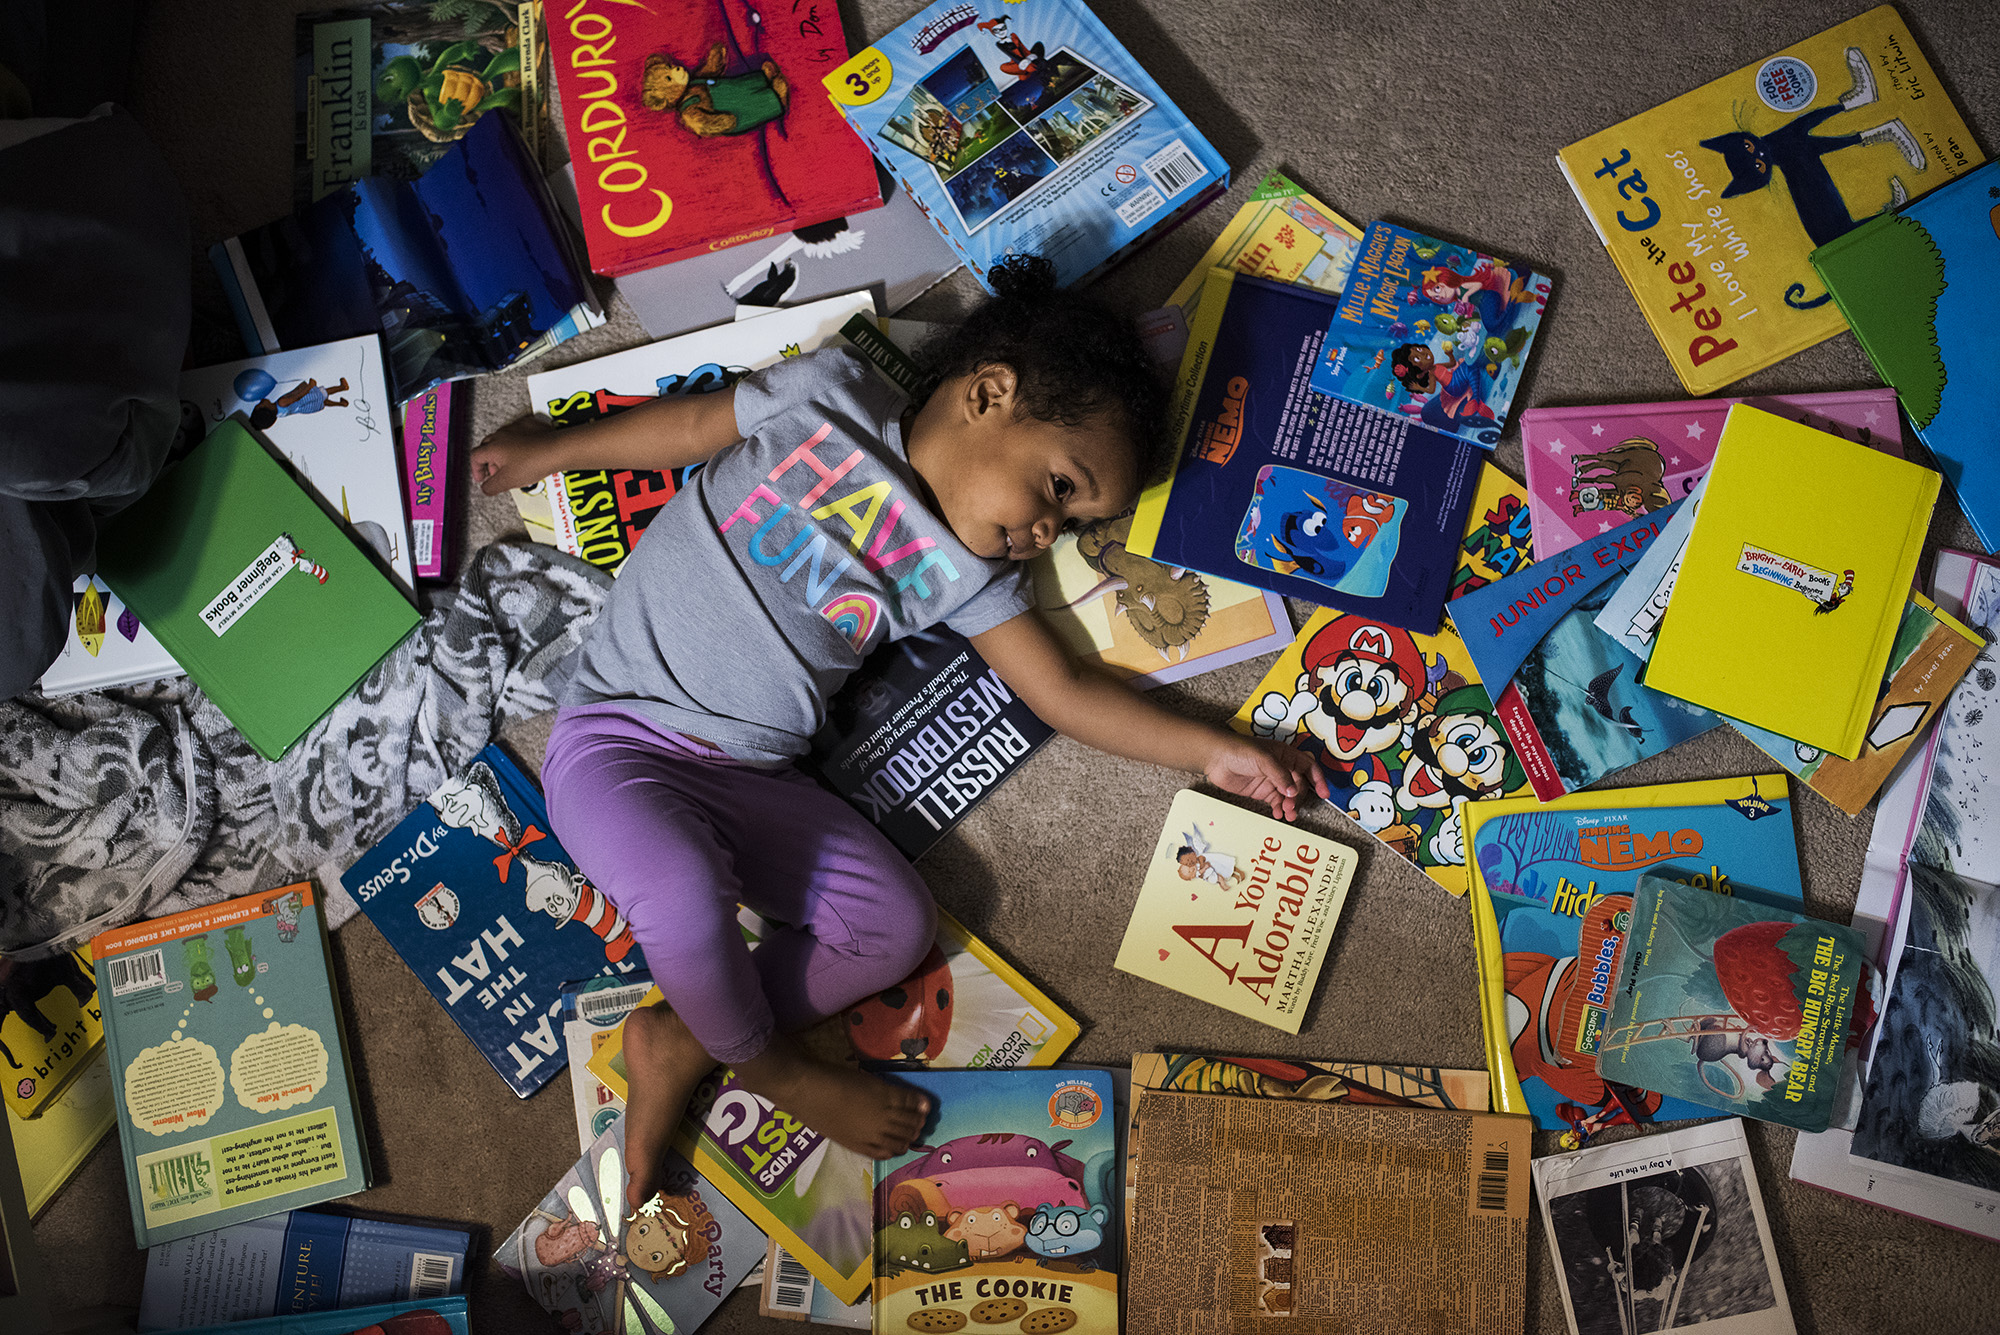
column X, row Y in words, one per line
column 761, row 585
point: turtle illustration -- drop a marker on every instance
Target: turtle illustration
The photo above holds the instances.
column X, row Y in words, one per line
column 460, row 85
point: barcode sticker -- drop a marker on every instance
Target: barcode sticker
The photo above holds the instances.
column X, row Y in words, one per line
column 423, row 534
column 592, row 1005
column 1174, row 168
column 791, row 1288
column 1140, row 205
column 1491, row 1190
column 136, row 973
column 430, row 1274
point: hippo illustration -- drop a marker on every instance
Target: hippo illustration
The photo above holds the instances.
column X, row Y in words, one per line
column 973, row 1172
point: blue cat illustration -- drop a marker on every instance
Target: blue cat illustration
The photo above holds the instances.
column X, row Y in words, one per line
column 1754, row 159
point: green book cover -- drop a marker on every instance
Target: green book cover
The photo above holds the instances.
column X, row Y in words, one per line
column 235, row 1097
column 1732, row 1005
column 256, row 591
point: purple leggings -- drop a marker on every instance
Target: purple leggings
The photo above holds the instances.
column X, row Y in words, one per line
column 677, row 834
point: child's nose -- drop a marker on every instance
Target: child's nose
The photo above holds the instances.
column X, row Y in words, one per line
column 1045, row 530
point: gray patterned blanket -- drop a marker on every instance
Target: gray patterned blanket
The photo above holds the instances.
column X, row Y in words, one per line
column 125, row 804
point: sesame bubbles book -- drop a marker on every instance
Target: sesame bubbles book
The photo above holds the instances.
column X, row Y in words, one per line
column 1292, row 491
column 487, row 908
column 1237, row 910
column 1727, row 1003
column 1711, row 204
column 235, row 1099
column 1433, row 331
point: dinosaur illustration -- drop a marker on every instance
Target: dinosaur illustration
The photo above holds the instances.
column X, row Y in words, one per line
column 1167, row 607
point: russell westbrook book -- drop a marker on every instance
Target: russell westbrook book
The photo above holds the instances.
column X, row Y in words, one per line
column 485, row 906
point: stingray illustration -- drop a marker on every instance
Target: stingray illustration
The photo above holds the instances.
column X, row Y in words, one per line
column 1599, row 695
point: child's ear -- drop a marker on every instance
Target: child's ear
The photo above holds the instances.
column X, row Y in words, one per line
column 991, row 389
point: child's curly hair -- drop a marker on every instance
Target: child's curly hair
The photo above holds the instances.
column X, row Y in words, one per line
column 1073, row 356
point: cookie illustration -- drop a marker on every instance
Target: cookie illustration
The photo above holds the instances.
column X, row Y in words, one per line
column 1048, row 1320
column 999, row 1311
column 935, row 1320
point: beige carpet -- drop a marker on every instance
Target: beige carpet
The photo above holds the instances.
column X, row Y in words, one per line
column 1439, row 115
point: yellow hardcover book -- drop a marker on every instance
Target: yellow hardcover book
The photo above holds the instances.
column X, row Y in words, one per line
column 1793, row 582
column 1282, row 233
column 51, row 1147
column 52, row 1029
column 1711, row 204
column 1399, row 721
column 1237, row 910
column 1752, row 795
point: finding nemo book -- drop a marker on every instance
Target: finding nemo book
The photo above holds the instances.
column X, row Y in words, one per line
column 1916, row 288
column 240, row 1103
column 1400, row 722
column 1552, row 897
column 1731, row 1004
column 1006, row 1211
column 1711, row 204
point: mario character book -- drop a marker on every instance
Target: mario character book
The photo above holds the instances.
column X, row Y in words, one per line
column 599, row 1266
column 1433, row 331
column 1568, row 694
column 1552, row 894
column 963, row 1006
column 1021, row 127
column 1007, row 1210
column 699, row 126
column 1732, row 1004
column 486, row 907
column 1711, row 204
column 1237, row 910
column 235, row 1097
column 1913, row 288
column 1818, row 584
column 1399, row 722
column 1294, row 492
column 1593, row 468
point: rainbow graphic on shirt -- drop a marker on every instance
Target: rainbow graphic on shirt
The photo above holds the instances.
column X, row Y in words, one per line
column 854, row 616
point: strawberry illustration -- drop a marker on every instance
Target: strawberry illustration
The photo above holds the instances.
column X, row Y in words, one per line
column 1756, row 976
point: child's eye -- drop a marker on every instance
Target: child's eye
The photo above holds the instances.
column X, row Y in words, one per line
column 1064, row 487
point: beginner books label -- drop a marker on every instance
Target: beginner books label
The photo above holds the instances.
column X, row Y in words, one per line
column 1237, row 910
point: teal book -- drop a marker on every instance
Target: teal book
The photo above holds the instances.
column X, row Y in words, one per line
column 228, row 1064
column 1733, row 1005
column 1917, row 287
column 258, row 592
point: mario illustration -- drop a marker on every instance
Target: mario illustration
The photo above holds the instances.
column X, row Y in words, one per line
column 1362, row 684
column 1457, row 750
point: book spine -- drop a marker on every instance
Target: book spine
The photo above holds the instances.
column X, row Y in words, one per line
column 1145, row 534
column 1528, row 744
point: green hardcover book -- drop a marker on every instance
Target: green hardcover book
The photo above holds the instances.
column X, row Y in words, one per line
column 254, row 589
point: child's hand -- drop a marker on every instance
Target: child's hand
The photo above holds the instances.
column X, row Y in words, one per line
column 519, row 454
column 1265, row 771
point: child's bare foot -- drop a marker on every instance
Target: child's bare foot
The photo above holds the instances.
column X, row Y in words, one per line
column 862, row 1112
column 663, row 1064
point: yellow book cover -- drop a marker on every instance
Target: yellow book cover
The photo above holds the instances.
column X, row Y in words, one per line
column 1711, row 204
column 1753, row 795
column 963, row 1007
column 1284, row 234
column 1793, row 582
column 1237, row 910
column 51, row 1028
column 51, row 1147
column 1399, row 721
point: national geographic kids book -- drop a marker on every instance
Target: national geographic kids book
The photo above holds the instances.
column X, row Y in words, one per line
column 1731, row 1004
column 1433, row 331
column 1237, row 910
column 1027, row 127
column 1400, row 722
column 1007, row 1211
column 1292, row 491
column 1710, row 205
column 240, row 1103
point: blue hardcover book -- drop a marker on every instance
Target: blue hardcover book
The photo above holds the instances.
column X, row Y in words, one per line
column 462, row 271
column 1917, row 287
column 1433, row 331
column 1568, row 693
column 426, row 1316
column 485, row 906
column 1307, row 496
column 1027, row 130
column 298, row 1261
column 1561, row 883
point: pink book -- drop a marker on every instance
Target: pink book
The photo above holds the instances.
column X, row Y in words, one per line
column 427, row 459
column 1593, row 468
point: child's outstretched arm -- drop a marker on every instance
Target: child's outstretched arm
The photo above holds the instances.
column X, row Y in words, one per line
column 662, row 434
column 1098, row 711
